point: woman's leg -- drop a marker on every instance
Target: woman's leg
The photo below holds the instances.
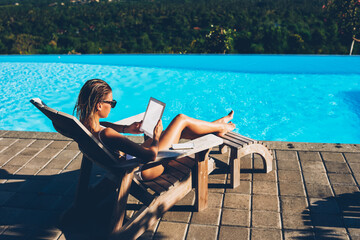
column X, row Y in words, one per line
column 184, row 126
column 187, row 127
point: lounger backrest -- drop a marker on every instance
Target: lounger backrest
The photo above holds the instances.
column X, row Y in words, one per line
column 71, row 127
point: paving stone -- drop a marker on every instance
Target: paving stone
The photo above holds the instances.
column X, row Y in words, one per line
column 352, row 221
column 59, row 144
column 326, row 220
column 332, row 157
column 291, row 189
column 20, row 134
column 48, row 153
column 39, row 218
column 29, row 152
column 23, row 142
column 354, row 233
column 10, row 216
column 37, row 163
column 75, row 163
column 72, row 146
column 265, row 203
column 309, row 156
column 61, row 160
column 343, row 189
column 18, row 160
column 310, row 166
column 26, row 173
column 245, row 176
column 298, row 234
column 209, row 216
column 244, row 188
column 48, row 234
column 16, row 232
column 176, row 216
column 293, row 205
column 57, row 187
column 318, row 191
column 12, row 150
column 11, row 185
column 234, row 217
column 296, row 221
column 215, row 200
column 324, row 206
column 44, row 202
column 39, row 144
column 202, row 232
column 33, row 185
column 7, row 170
column 238, row 201
column 288, row 165
column 341, row 179
column 269, row 234
column 350, row 157
column 20, row 200
column 337, row 167
column 5, row 158
column 188, row 200
column 7, row 141
column 355, row 167
column 271, row 176
column 331, row 233
column 216, row 186
column 265, row 219
column 259, row 165
column 5, row 196
column 265, row 188
column 316, row 177
column 286, row 155
column 289, row 176
column 171, row 230
column 48, row 172
column 228, row 232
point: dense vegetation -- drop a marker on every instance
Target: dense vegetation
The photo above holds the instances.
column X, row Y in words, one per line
column 171, row 26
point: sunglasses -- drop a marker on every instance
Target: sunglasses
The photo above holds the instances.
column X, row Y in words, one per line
column 112, row 103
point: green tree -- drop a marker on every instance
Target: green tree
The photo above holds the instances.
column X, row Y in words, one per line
column 347, row 15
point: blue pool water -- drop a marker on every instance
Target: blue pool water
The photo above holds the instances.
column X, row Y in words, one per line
column 290, row 98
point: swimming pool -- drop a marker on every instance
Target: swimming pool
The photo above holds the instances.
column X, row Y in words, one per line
column 290, row 98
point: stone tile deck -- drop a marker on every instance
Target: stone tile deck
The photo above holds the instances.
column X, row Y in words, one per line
column 312, row 193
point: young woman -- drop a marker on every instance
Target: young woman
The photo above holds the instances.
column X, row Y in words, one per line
column 95, row 101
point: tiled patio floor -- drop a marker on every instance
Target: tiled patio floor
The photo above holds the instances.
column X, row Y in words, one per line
column 312, row 193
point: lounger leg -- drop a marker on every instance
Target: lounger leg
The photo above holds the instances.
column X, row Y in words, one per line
column 201, row 178
column 83, row 183
column 120, row 207
column 234, row 168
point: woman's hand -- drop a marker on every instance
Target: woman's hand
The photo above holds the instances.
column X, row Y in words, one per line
column 158, row 130
column 134, row 128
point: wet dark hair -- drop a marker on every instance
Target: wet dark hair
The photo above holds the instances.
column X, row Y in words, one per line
column 93, row 92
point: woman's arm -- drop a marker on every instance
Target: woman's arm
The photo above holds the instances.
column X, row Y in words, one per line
column 133, row 128
column 117, row 141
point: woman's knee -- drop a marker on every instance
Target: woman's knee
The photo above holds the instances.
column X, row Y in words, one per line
column 181, row 117
column 152, row 172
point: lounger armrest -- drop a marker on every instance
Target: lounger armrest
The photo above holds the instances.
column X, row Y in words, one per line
column 200, row 144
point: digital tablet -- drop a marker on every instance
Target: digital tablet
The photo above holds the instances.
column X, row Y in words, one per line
column 153, row 114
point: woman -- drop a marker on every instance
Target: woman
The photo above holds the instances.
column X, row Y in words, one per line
column 95, row 101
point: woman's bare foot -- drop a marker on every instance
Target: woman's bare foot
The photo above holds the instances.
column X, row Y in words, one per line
column 227, row 118
column 228, row 127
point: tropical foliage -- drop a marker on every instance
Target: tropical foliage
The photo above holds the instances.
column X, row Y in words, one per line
column 174, row 26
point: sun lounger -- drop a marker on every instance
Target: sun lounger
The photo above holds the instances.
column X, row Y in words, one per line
column 241, row 146
column 158, row 195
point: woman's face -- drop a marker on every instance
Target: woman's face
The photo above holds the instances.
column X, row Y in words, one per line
column 104, row 108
